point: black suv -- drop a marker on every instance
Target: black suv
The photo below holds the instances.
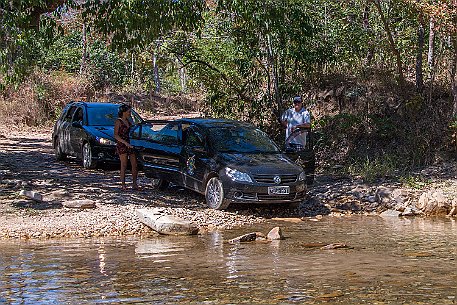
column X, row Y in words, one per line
column 86, row 131
column 227, row 161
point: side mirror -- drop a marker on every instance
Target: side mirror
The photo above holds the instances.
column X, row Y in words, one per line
column 77, row 124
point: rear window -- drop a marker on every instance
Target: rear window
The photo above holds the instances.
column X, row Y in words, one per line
column 107, row 116
column 241, row 140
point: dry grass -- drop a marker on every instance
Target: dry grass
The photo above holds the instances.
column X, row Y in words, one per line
column 39, row 99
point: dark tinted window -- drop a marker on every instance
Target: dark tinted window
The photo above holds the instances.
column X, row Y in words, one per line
column 69, row 113
column 168, row 135
column 107, row 116
column 194, row 138
column 78, row 116
column 242, row 140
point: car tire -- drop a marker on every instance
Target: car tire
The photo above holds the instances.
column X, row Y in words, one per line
column 214, row 194
column 60, row 156
column 160, row 184
column 88, row 162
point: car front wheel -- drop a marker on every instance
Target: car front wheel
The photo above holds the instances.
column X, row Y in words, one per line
column 160, row 184
column 214, row 194
column 88, row 162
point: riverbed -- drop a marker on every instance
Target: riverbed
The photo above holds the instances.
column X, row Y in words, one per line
column 387, row 261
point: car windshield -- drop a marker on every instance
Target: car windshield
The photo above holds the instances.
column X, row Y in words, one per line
column 106, row 116
column 241, row 140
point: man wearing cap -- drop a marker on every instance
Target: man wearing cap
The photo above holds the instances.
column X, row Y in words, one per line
column 296, row 117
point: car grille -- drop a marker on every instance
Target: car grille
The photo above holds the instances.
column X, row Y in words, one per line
column 276, row 197
column 269, row 179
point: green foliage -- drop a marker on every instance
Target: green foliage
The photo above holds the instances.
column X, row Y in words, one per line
column 23, row 36
column 340, row 122
column 64, row 54
column 371, row 169
column 414, row 181
column 384, row 128
column 136, row 24
column 105, row 68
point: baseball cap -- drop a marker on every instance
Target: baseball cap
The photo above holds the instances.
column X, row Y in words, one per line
column 297, row 100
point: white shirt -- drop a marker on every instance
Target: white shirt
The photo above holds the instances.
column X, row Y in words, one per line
column 295, row 118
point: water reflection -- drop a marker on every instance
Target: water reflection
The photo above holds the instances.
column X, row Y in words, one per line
column 393, row 261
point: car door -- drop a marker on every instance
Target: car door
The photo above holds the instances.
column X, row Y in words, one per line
column 76, row 131
column 64, row 135
column 159, row 150
column 194, row 158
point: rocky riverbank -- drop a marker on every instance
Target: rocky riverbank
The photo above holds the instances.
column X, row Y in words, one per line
column 73, row 202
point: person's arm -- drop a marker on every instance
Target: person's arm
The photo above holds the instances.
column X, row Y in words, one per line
column 305, row 124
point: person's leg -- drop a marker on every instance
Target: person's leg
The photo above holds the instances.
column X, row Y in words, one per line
column 124, row 161
column 134, row 164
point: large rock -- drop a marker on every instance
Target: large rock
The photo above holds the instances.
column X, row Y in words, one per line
column 31, row 195
column 390, row 213
column 79, row 204
column 383, row 194
column 159, row 221
column 275, row 234
column 434, row 203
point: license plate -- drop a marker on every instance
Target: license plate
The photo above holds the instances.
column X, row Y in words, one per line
column 278, row 190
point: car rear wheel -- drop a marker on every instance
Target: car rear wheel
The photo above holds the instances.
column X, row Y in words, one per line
column 88, row 162
column 214, row 194
column 58, row 151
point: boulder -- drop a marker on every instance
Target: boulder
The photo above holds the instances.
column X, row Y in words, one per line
column 58, row 194
column 79, row 204
column 383, row 194
column 434, row 203
column 244, row 238
column 410, row 211
column 390, row 213
column 159, row 221
column 32, row 195
column 275, row 234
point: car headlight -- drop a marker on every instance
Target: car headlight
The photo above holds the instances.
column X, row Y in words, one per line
column 302, row 176
column 236, row 175
column 105, row 141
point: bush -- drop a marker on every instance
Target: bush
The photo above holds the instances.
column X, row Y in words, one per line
column 40, row 98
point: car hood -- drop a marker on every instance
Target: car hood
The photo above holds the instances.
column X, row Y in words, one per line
column 277, row 164
column 101, row 131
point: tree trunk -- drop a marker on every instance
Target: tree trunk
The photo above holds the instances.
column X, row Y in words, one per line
column 132, row 66
column 272, row 61
column 366, row 27
column 420, row 50
column 82, row 68
column 391, row 42
column 431, row 48
column 182, row 76
column 156, row 72
column 453, row 70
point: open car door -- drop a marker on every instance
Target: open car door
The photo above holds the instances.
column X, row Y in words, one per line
column 299, row 147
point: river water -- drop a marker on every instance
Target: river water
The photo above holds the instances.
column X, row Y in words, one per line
column 390, row 261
